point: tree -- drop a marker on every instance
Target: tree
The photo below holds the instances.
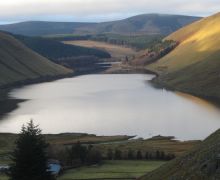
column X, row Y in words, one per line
column 130, row 154
column 162, row 155
column 146, row 155
column 77, row 154
column 30, row 157
column 118, row 155
column 94, row 157
column 110, row 154
column 157, row 154
column 139, row 155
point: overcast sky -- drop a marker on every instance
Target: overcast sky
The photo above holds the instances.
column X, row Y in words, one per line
column 99, row 10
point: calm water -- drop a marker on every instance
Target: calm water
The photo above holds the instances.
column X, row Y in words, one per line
column 111, row 105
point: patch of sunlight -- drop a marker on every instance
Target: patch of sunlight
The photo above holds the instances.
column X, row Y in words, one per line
column 207, row 38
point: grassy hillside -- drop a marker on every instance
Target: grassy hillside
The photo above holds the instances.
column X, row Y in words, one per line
column 142, row 24
column 194, row 65
column 198, row 164
column 18, row 63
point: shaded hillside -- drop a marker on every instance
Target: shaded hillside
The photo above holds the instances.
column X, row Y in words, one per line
column 55, row 50
column 201, row 163
column 39, row 28
column 142, row 24
column 19, row 63
column 193, row 66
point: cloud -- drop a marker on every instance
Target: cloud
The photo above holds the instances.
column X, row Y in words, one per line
column 99, row 10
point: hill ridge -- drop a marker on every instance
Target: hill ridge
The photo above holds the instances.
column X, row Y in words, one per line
column 144, row 23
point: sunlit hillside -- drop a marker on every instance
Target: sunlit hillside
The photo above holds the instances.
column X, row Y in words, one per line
column 194, row 65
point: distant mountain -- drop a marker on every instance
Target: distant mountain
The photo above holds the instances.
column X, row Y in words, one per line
column 202, row 162
column 193, row 66
column 141, row 24
column 40, row 28
column 18, row 63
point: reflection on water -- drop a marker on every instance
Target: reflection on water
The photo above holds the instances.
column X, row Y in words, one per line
column 201, row 102
column 110, row 105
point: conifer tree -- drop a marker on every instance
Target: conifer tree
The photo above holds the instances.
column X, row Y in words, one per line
column 30, row 157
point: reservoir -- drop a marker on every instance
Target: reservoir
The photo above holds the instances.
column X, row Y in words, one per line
column 122, row 104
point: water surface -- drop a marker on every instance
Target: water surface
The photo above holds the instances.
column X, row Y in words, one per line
column 111, row 105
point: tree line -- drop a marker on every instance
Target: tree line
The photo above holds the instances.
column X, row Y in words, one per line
column 31, row 154
column 117, row 154
column 76, row 155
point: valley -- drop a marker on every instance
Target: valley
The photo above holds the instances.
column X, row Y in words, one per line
column 134, row 95
column 116, row 51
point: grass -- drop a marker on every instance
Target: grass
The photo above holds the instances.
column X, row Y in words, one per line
column 135, row 41
column 197, row 42
column 112, row 169
column 109, row 170
column 116, row 51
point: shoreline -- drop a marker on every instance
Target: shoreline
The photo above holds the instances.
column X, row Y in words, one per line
column 157, row 83
column 8, row 104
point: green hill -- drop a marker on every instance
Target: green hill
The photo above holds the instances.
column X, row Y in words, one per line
column 201, row 163
column 141, row 24
column 18, row 63
column 193, row 66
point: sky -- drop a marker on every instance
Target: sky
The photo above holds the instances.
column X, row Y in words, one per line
column 99, row 10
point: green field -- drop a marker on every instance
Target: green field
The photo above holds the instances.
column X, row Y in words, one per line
column 112, row 170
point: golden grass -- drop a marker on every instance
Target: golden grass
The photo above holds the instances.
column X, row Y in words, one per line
column 115, row 50
column 198, row 41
